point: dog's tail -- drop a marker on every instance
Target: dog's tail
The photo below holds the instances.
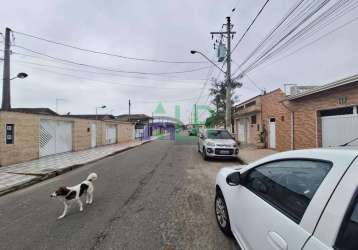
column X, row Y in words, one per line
column 92, row 177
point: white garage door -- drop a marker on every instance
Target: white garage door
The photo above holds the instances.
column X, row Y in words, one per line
column 111, row 135
column 55, row 137
column 337, row 130
column 242, row 130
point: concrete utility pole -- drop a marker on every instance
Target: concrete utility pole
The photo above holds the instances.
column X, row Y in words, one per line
column 6, row 101
column 228, row 33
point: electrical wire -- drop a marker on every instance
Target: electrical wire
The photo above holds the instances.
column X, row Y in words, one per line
column 282, row 38
column 249, row 27
column 109, row 69
column 107, row 73
column 109, row 82
column 314, row 41
column 271, row 33
column 323, row 20
column 107, row 53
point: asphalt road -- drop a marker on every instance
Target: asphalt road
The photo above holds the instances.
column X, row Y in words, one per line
column 157, row 196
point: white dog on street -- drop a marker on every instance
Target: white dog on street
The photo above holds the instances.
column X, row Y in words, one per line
column 72, row 194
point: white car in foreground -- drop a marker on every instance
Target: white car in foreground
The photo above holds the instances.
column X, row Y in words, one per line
column 217, row 143
column 304, row 199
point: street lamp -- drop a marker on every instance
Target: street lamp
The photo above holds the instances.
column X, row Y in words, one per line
column 100, row 107
column 207, row 58
column 6, row 101
column 21, row 75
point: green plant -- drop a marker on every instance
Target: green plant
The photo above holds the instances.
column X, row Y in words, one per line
column 262, row 136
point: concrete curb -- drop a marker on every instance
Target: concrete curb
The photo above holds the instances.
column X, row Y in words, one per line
column 62, row 171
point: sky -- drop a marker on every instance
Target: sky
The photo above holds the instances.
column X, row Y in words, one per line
column 161, row 30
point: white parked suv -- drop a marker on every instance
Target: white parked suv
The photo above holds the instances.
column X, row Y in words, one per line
column 304, row 199
column 217, row 143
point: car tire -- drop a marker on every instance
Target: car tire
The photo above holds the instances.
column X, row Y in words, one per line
column 205, row 156
column 221, row 214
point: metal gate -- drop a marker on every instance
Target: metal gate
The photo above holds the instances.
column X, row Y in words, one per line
column 337, row 130
column 243, row 131
column 111, row 135
column 93, row 135
column 272, row 133
column 55, row 137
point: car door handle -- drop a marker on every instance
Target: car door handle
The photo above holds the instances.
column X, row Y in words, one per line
column 276, row 241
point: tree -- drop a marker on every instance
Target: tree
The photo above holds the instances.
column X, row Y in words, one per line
column 218, row 93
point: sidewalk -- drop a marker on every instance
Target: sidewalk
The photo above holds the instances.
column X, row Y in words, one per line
column 17, row 176
column 248, row 154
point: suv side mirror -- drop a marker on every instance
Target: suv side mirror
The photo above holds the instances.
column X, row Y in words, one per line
column 233, row 179
column 202, row 136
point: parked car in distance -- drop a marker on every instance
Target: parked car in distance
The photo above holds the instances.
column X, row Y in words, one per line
column 193, row 132
column 217, row 143
column 304, row 199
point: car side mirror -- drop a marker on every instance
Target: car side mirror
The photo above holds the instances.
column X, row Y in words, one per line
column 201, row 136
column 233, row 179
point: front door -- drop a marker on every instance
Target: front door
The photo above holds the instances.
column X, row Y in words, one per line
column 272, row 133
column 266, row 211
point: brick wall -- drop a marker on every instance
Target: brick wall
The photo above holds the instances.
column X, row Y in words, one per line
column 307, row 128
column 27, row 128
column 125, row 132
column 273, row 108
column 81, row 134
column 26, row 146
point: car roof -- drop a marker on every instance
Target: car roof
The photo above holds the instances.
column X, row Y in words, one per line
column 337, row 156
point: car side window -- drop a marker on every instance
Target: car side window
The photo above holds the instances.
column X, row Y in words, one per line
column 347, row 238
column 288, row 185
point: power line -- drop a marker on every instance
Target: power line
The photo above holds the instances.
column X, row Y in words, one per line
column 254, row 83
column 108, row 69
column 334, row 12
column 314, row 41
column 107, row 73
column 249, row 27
column 108, row 82
column 107, row 53
column 271, row 33
column 281, row 40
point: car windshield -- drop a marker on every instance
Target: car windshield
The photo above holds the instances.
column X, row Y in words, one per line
column 219, row 134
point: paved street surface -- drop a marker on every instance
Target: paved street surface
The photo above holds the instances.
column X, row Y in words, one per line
column 16, row 175
column 157, row 196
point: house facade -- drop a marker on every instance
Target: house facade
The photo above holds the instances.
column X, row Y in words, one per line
column 248, row 121
column 308, row 117
column 325, row 116
column 28, row 134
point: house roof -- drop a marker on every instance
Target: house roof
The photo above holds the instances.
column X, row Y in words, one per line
column 38, row 111
column 248, row 100
column 133, row 117
column 93, row 117
column 336, row 84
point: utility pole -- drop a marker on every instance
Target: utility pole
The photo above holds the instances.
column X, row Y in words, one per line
column 129, row 110
column 195, row 115
column 228, row 33
column 6, row 101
